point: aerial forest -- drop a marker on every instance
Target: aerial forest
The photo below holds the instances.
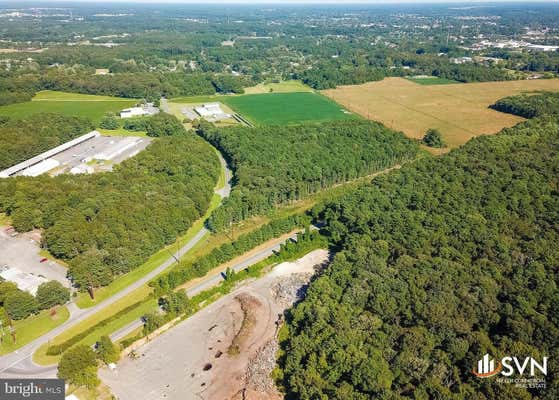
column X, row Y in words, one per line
column 107, row 224
column 440, row 262
column 275, row 165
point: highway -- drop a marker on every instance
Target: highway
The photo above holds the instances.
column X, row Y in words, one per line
column 20, row 364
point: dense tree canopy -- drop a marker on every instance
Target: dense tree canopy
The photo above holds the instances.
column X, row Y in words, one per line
column 107, row 351
column 441, row 262
column 50, row 294
column 21, row 139
column 277, row 164
column 19, row 304
column 162, row 124
column 433, row 138
column 529, row 106
column 108, row 223
column 78, row 366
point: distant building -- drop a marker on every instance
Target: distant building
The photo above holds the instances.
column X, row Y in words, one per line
column 461, row 60
column 145, row 110
column 541, row 47
column 211, row 112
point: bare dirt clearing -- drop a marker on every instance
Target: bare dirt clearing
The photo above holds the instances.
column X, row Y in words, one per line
column 191, row 361
column 459, row 111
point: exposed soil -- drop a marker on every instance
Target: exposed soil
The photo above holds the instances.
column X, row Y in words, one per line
column 236, row 337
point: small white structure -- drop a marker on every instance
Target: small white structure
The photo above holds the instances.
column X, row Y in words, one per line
column 24, row 281
column 41, row 168
column 211, row 112
column 112, row 366
column 144, row 110
column 82, row 169
column 133, row 112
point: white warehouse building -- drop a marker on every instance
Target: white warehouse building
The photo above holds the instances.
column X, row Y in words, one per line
column 147, row 109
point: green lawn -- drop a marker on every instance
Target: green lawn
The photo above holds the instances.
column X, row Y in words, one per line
column 73, row 104
column 40, row 356
column 286, row 108
column 31, row 328
column 199, row 99
column 432, row 80
column 279, row 87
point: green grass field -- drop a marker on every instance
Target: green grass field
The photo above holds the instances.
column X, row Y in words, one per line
column 286, row 108
column 279, row 87
column 31, row 328
column 74, row 104
column 432, row 80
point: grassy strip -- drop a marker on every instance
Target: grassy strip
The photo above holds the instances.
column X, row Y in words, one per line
column 432, row 81
column 198, row 99
column 53, row 95
column 290, row 251
column 31, row 328
column 227, row 252
column 79, row 331
column 279, row 87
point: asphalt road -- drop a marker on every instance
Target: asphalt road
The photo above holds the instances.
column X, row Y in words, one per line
column 20, row 364
column 208, row 283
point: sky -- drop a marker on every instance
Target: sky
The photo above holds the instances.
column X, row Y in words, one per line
column 307, row 1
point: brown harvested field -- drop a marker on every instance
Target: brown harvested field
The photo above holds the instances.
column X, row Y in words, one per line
column 459, row 111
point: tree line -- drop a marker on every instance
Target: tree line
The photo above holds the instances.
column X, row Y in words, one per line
column 529, row 106
column 107, row 224
column 274, row 165
column 147, row 85
column 441, row 262
column 228, row 251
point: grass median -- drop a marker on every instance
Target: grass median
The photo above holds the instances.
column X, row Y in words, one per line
column 30, row 328
column 139, row 295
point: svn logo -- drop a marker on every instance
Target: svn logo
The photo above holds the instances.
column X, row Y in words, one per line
column 508, row 366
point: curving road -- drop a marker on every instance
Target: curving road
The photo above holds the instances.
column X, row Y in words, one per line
column 20, row 364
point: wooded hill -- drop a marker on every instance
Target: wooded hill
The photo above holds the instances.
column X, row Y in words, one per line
column 441, row 262
column 277, row 164
column 108, row 223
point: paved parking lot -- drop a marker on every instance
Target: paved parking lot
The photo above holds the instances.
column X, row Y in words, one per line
column 22, row 252
column 114, row 149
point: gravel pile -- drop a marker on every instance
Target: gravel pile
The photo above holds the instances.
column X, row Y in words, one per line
column 287, row 290
column 260, row 368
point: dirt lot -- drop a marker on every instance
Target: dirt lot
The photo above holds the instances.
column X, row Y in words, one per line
column 226, row 351
column 459, row 111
